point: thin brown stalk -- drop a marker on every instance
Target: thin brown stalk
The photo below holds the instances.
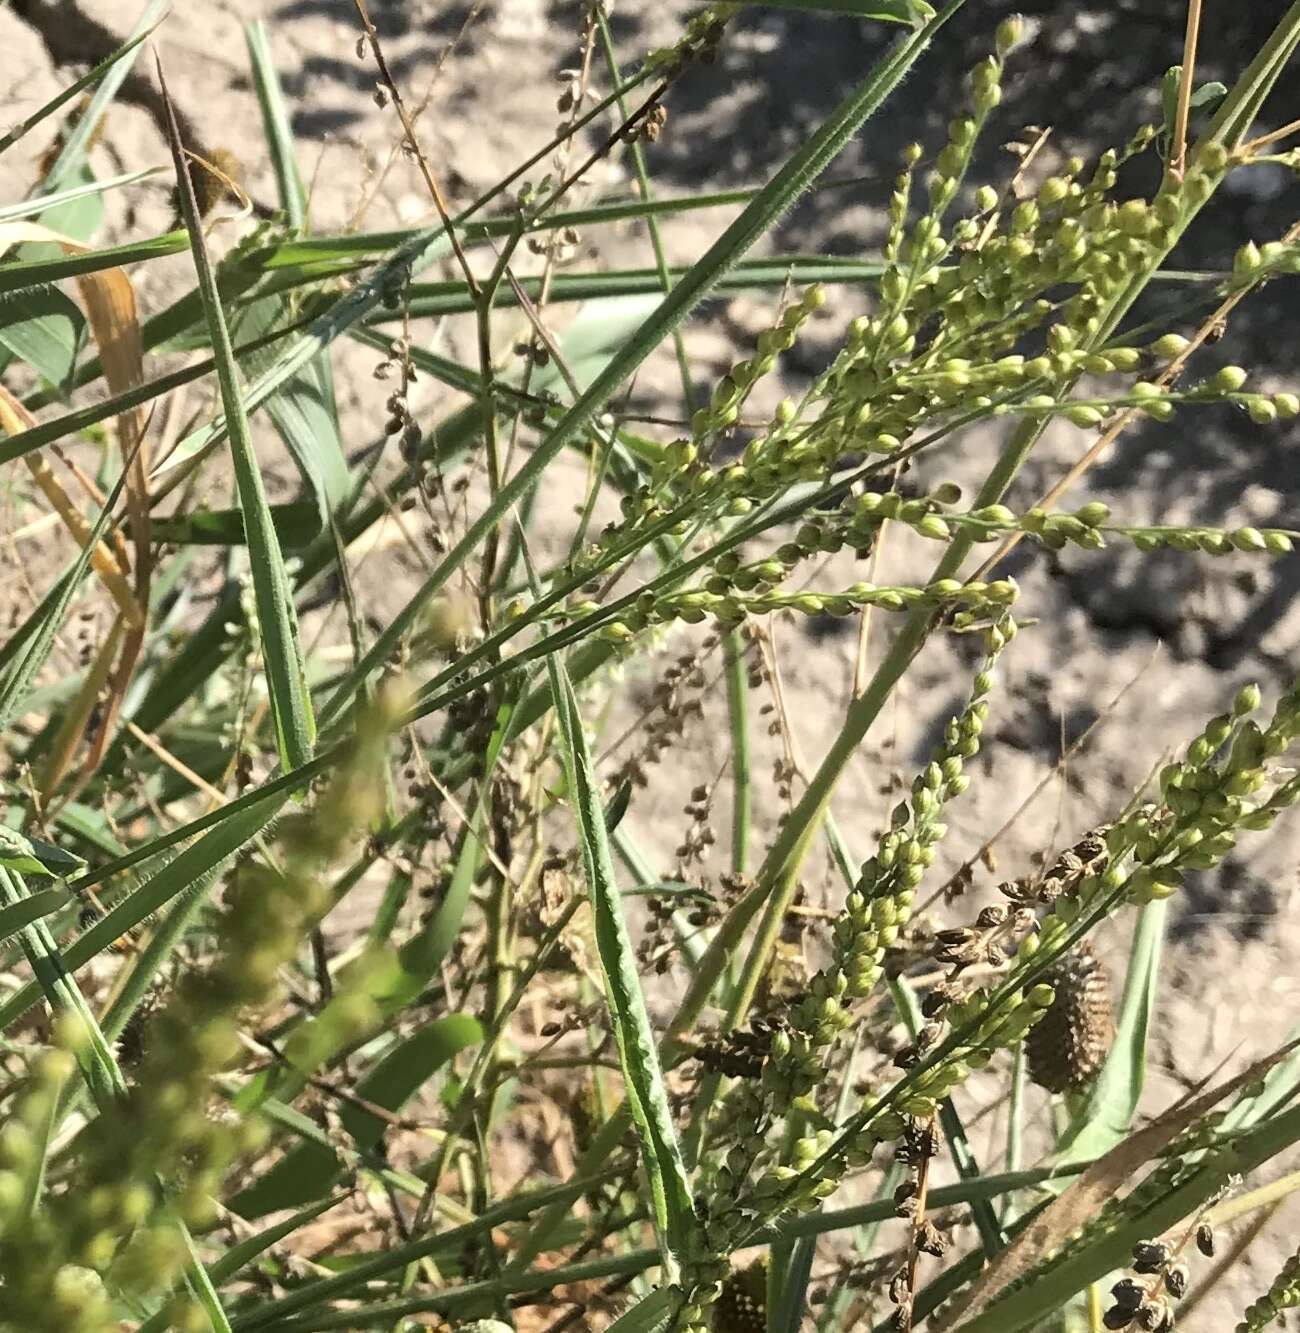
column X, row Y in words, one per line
column 1272, row 137
column 413, row 143
column 1178, row 153
column 918, row 1226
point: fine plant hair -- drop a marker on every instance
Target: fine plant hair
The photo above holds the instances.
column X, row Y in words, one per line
column 317, row 923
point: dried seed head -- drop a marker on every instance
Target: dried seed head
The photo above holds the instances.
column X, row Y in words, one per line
column 1176, row 1280
column 1150, row 1256
column 215, row 176
column 742, row 1304
column 1205, row 1239
column 1068, row 1044
column 898, row 1288
column 1155, row 1316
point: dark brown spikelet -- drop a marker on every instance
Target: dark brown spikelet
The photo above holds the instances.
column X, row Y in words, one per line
column 742, row 1305
column 1068, row 1044
column 217, row 175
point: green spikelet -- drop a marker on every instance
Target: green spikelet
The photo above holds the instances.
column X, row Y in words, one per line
column 1068, row 1044
column 1283, row 1295
column 742, row 1306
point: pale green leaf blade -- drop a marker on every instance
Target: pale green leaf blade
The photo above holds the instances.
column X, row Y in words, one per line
column 17, row 915
column 282, row 652
column 638, row 1052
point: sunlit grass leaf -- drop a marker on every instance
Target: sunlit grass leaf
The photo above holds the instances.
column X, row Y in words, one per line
column 303, row 411
column 275, row 121
column 430, row 299
column 17, row 853
column 15, row 277
column 30, row 207
column 295, row 724
column 14, row 917
column 43, row 328
column 56, row 861
column 81, row 216
column 638, row 1054
column 651, row 1314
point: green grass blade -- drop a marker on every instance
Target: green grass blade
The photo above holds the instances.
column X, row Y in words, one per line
column 275, row 121
column 1239, row 109
column 1107, row 1112
column 282, row 653
column 295, row 525
column 198, row 1280
column 741, row 771
column 30, row 207
column 72, row 156
column 28, row 273
column 331, row 248
column 304, row 411
column 91, row 76
column 642, row 1076
column 1015, row 1123
column 789, row 1274
column 651, row 1314
column 23, row 635
column 17, row 915
column 45, row 328
column 431, row 299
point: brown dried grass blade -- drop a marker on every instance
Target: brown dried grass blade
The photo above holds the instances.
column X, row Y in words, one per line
column 14, row 417
column 1105, row 1178
column 77, row 717
column 109, row 299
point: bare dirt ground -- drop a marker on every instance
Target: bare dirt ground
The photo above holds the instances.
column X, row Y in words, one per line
column 1176, row 635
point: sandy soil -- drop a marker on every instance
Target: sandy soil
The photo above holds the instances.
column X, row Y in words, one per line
column 1175, row 634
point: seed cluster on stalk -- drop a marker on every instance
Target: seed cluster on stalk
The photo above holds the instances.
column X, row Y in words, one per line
column 783, row 1066
column 956, row 305
column 1282, row 1295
